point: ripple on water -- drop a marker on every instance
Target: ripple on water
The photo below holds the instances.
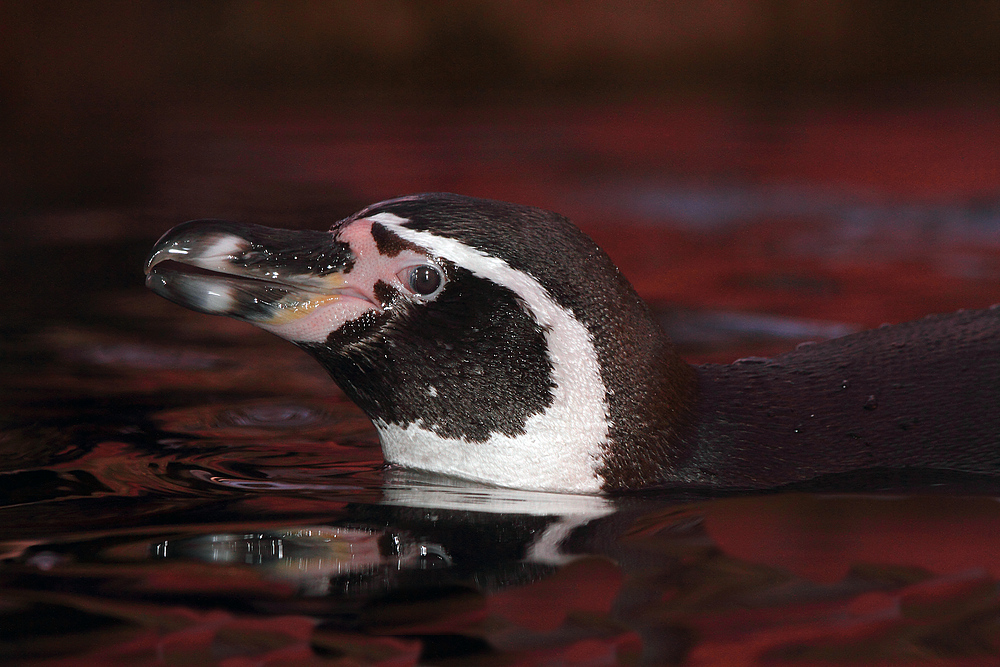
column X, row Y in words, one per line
column 273, row 415
column 305, row 445
column 148, row 357
column 339, row 422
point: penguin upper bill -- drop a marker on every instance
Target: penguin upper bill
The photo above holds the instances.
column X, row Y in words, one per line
column 498, row 343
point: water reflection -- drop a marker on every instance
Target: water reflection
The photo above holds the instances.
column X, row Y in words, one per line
column 536, row 578
column 309, row 556
column 162, row 500
column 419, row 522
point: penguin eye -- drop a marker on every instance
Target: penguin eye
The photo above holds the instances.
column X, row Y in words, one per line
column 423, row 280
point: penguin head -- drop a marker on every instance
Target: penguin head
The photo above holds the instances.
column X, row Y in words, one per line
column 486, row 340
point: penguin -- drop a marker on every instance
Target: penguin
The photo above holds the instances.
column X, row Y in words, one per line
column 496, row 342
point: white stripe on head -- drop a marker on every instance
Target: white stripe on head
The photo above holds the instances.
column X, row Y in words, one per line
column 563, row 446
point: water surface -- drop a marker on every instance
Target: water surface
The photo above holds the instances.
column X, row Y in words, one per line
column 183, row 489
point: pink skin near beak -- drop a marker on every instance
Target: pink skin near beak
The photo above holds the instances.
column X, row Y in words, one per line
column 353, row 292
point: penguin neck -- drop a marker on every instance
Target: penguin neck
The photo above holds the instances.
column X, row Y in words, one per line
column 652, row 397
column 652, row 426
column 650, row 392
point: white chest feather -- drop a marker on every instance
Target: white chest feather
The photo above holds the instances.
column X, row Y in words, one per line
column 562, row 447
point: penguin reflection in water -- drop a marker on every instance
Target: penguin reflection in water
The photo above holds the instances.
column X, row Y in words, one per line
column 498, row 343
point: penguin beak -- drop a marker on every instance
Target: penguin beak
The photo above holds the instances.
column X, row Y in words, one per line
column 270, row 277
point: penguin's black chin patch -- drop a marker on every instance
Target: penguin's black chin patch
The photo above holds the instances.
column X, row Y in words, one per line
column 483, row 354
column 351, row 333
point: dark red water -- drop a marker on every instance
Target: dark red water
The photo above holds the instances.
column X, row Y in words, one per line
column 182, row 489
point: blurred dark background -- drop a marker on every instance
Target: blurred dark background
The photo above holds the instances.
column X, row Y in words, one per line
column 88, row 86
